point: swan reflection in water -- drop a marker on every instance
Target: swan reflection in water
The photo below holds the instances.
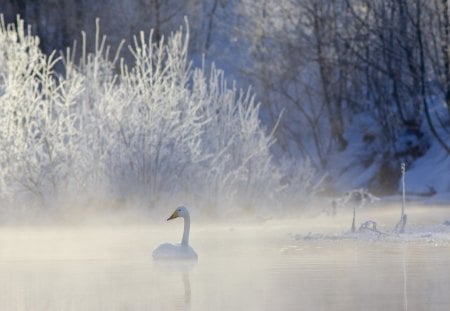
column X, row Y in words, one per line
column 177, row 268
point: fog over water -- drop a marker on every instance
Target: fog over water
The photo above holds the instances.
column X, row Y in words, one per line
column 245, row 263
column 86, row 130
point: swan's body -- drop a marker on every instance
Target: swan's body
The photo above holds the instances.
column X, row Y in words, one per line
column 182, row 251
column 169, row 251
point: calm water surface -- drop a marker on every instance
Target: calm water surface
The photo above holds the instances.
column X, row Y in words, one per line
column 240, row 267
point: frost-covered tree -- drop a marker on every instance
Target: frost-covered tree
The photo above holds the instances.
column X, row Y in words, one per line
column 329, row 65
column 156, row 129
column 37, row 126
column 297, row 68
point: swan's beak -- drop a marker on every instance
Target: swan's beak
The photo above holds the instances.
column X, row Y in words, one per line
column 174, row 215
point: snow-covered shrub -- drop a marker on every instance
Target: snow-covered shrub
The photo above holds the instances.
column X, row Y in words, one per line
column 237, row 146
column 36, row 124
column 155, row 129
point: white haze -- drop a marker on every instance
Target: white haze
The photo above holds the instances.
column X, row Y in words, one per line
column 245, row 263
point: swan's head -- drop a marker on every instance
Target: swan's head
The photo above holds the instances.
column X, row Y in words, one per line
column 179, row 212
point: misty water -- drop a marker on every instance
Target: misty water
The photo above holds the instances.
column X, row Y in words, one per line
column 245, row 264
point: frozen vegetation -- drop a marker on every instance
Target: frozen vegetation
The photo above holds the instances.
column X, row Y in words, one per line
column 87, row 128
column 351, row 86
column 155, row 131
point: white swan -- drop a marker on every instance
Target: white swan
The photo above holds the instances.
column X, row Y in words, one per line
column 183, row 251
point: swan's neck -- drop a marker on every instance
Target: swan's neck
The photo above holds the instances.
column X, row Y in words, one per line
column 187, row 226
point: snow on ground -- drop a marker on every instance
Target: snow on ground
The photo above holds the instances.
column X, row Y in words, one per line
column 358, row 166
column 425, row 224
column 430, row 173
column 419, row 233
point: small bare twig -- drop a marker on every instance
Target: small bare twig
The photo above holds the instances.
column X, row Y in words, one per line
column 400, row 226
column 370, row 225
